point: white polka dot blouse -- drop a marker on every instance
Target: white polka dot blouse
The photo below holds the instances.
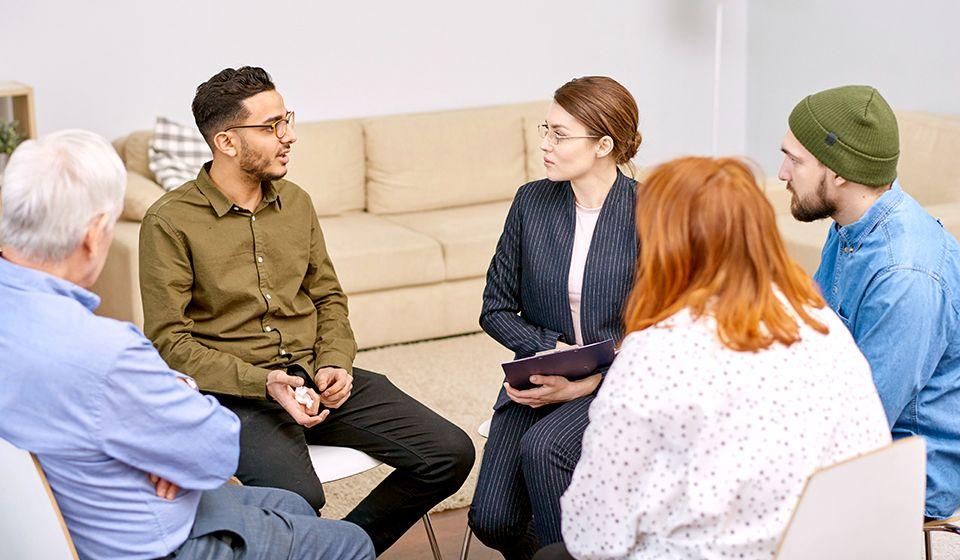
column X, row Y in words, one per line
column 695, row 450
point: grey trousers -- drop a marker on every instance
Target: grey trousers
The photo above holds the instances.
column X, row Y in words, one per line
column 250, row 523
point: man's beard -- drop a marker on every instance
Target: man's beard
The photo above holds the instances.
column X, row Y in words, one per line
column 257, row 165
column 814, row 207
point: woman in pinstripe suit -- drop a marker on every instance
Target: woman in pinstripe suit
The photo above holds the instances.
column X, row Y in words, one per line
column 560, row 276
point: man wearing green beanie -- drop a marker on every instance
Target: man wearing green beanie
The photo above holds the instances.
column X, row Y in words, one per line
column 888, row 269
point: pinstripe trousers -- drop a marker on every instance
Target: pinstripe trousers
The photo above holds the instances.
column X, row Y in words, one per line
column 528, row 463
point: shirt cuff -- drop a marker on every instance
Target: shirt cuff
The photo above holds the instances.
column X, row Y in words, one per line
column 253, row 382
column 334, row 359
column 550, row 339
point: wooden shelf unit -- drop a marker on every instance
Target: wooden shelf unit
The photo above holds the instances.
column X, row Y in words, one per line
column 21, row 96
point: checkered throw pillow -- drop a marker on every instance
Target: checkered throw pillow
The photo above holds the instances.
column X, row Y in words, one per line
column 176, row 153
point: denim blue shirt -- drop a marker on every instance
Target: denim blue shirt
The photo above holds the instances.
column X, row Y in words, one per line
column 98, row 406
column 893, row 277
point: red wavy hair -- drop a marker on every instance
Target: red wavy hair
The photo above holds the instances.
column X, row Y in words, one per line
column 709, row 242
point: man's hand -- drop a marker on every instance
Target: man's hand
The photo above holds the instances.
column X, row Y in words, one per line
column 335, row 385
column 553, row 389
column 280, row 387
column 165, row 489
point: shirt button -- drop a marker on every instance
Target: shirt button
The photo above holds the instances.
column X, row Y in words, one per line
column 268, row 328
column 259, row 259
column 268, row 296
column 253, row 218
column 283, row 351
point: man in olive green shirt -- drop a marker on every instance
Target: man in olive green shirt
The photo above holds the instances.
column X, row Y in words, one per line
column 240, row 293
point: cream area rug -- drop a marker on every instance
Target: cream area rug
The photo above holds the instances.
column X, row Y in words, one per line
column 457, row 377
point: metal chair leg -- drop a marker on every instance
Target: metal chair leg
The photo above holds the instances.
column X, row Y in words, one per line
column 465, row 548
column 432, row 537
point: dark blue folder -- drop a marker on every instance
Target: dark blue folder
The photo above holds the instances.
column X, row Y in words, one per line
column 574, row 363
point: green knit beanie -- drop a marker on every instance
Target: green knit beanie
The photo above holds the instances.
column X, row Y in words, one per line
column 851, row 130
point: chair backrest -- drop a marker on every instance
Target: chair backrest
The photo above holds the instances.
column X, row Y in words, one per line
column 870, row 506
column 30, row 523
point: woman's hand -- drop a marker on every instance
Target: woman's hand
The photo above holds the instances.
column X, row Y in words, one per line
column 553, row 389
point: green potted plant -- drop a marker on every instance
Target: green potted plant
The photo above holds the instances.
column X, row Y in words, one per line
column 9, row 138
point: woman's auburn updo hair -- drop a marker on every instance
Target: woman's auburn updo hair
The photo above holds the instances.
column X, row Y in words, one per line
column 605, row 108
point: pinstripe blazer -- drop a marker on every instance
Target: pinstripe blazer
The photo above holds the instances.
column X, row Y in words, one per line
column 526, row 306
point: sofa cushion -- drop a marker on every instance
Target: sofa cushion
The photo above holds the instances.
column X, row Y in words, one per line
column 327, row 161
column 804, row 240
column 441, row 160
column 949, row 216
column 929, row 145
column 140, row 195
column 778, row 195
column 468, row 235
column 533, row 116
column 134, row 154
column 176, row 153
column 370, row 253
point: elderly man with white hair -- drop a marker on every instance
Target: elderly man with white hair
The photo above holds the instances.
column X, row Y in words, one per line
column 136, row 457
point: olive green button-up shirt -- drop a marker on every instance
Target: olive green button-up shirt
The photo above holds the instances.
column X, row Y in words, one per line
column 229, row 295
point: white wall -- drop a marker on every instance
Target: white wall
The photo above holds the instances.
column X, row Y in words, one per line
column 112, row 66
column 909, row 51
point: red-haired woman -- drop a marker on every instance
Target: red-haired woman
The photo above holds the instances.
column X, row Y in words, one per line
column 733, row 384
column 560, row 276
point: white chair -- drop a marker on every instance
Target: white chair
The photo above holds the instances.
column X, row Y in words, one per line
column 31, row 525
column 484, row 431
column 334, row 463
column 870, row 506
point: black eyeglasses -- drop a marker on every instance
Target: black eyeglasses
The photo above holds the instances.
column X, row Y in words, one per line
column 279, row 126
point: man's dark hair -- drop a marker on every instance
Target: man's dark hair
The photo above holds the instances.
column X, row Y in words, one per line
column 219, row 101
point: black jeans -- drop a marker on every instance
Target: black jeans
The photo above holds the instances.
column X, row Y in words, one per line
column 432, row 457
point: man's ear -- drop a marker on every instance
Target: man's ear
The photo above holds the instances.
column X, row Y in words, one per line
column 224, row 143
column 838, row 181
column 604, row 147
column 99, row 228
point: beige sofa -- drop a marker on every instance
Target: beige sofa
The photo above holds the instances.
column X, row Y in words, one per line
column 929, row 170
column 411, row 207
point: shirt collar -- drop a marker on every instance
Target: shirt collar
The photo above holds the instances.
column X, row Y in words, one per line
column 32, row 280
column 853, row 234
column 272, row 194
column 219, row 201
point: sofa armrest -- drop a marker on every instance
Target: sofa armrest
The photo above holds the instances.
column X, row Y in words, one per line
column 119, row 284
column 778, row 195
column 140, row 196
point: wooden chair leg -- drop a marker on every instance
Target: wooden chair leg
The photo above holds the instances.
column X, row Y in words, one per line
column 928, row 550
column 432, row 537
column 465, row 547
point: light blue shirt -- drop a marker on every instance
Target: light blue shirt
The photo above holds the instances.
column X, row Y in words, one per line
column 893, row 276
column 98, row 406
